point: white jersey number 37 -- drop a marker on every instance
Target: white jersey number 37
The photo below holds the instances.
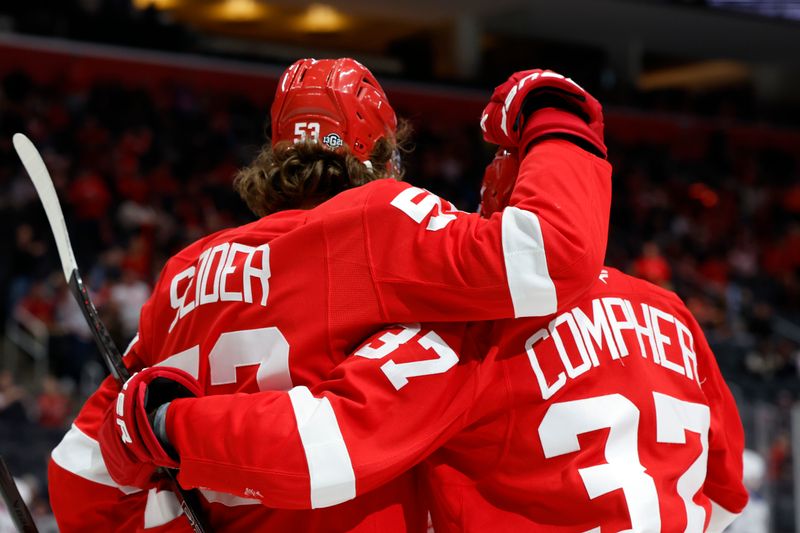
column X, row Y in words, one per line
column 399, row 373
column 564, row 421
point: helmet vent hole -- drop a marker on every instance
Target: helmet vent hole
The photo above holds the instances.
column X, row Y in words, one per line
column 358, row 114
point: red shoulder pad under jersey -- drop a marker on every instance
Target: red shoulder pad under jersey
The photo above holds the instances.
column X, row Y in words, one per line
column 430, row 262
column 383, row 410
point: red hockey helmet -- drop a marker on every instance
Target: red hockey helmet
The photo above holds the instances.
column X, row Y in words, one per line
column 498, row 181
column 334, row 101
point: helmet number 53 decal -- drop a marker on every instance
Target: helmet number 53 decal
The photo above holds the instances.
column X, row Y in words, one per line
column 306, row 130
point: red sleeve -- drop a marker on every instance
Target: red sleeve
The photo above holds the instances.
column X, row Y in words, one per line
column 432, row 263
column 83, row 495
column 723, row 485
column 383, row 410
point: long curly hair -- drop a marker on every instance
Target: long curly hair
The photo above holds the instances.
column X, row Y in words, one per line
column 301, row 175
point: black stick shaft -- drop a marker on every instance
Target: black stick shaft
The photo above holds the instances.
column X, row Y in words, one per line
column 20, row 513
column 43, row 183
column 108, row 349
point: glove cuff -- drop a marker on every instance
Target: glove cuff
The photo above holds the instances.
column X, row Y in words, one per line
column 159, row 423
column 551, row 121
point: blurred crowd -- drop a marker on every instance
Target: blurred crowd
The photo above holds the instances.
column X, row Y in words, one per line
column 723, row 230
column 143, row 173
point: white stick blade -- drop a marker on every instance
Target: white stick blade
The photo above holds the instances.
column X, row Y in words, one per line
column 43, row 183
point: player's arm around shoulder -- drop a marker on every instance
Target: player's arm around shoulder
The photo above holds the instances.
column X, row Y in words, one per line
column 431, row 262
column 382, row 411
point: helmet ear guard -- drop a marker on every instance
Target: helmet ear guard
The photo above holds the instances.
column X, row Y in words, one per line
column 336, row 102
column 498, row 181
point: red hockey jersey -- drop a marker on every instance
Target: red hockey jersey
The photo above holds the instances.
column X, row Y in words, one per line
column 276, row 304
column 610, row 416
column 607, row 416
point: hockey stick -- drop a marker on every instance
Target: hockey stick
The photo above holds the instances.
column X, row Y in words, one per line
column 20, row 513
column 43, row 183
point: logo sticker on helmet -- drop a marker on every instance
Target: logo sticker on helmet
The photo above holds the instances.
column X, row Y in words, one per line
column 332, row 140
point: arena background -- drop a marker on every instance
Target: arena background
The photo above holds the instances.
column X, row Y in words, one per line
column 145, row 108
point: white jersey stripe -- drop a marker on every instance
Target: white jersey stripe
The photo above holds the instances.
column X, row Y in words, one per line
column 329, row 467
column 131, row 344
column 720, row 518
column 187, row 360
column 533, row 292
column 162, row 507
column 80, row 454
column 228, row 500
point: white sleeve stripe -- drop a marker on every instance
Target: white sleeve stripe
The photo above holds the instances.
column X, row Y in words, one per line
column 162, row 507
column 228, row 500
column 720, row 518
column 533, row 292
column 80, row 454
column 333, row 480
column 131, row 344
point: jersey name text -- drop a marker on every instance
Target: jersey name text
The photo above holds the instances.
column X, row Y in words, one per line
column 610, row 317
column 219, row 273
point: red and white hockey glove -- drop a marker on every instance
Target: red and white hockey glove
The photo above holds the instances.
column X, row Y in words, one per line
column 498, row 181
column 131, row 450
column 533, row 104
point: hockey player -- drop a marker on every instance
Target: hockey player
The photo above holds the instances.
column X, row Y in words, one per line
column 609, row 415
column 341, row 252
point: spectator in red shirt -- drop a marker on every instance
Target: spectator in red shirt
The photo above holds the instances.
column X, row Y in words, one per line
column 652, row 266
column 38, row 303
column 89, row 196
column 53, row 404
